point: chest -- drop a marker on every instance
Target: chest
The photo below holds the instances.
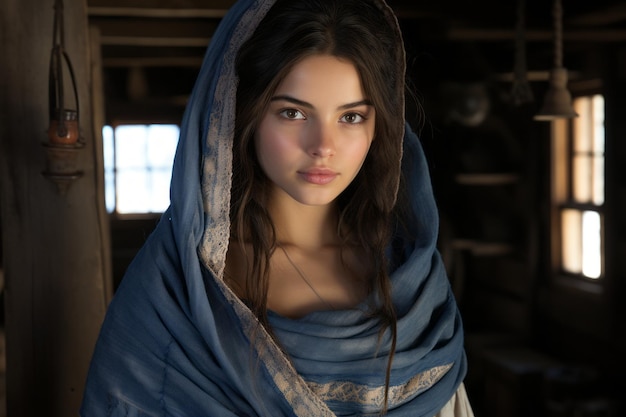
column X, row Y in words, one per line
column 301, row 281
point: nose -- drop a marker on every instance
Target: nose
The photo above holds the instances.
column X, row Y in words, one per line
column 321, row 141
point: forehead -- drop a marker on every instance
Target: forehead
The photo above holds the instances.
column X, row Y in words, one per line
column 317, row 76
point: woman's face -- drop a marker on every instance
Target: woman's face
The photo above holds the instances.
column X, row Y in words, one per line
column 316, row 131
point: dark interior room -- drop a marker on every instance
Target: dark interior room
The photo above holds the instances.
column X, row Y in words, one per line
column 529, row 189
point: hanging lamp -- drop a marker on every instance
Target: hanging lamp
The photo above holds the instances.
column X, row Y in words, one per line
column 64, row 141
column 557, row 102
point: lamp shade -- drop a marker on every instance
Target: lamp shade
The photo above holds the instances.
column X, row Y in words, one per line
column 557, row 103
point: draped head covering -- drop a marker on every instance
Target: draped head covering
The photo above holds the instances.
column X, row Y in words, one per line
column 177, row 341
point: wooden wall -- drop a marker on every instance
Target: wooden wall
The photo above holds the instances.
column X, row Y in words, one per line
column 55, row 246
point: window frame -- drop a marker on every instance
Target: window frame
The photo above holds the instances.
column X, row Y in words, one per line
column 562, row 198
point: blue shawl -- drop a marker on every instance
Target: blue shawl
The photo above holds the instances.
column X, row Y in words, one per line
column 177, row 342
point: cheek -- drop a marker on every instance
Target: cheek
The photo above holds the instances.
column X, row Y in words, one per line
column 264, row 155
column 272, row 146
column 359, row 150
column 361, row 143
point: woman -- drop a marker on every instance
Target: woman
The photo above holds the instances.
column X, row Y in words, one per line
column 295, row 272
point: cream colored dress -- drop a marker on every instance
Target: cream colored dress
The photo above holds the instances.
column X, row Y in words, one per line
column 458, row 406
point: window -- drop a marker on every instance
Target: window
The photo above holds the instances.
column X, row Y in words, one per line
column 579, row 188
column 138, row 166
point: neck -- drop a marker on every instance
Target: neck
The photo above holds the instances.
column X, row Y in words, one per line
column 304, row 226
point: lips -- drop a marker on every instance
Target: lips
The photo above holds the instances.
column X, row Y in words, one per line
column 318, row 176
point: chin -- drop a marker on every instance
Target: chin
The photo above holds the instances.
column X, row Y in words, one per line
column 308, row 199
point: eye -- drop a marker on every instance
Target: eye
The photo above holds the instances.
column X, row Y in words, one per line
column 353, row 118
column 292, row 114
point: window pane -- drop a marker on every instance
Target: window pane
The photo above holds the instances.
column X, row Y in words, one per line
column 581, row 242
column 160, row 187
column 582, row 178
column 131, row 144
column 592, row 248
column 108, row 144
column 138, row 167
column 571, row 241
column 582, row 125
column 598, row 123
column 162, row 141
column 598, row 148
column 588, row 155
column 133, row 191
column 598, row 181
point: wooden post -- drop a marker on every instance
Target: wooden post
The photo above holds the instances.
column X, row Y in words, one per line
column 56, row 247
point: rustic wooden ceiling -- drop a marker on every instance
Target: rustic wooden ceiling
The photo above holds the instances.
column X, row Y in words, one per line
column 152, row 49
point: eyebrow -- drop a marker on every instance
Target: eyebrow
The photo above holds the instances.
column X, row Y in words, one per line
column 310, row 106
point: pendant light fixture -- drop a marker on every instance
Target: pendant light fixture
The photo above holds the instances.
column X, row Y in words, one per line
column 557, row 102
column 64, row 140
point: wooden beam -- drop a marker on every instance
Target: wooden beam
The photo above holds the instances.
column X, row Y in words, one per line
column 165, row 41
column 164, row 4
column 155, row 13
column 473, row 34
column 138, row 26
column 607, row 16
column 535, row 76
column 165, row 61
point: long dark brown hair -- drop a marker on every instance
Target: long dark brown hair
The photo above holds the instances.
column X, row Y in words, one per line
column 365, row 34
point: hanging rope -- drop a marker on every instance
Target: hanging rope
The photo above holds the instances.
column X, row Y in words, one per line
column 56, row 94
column 520, row 92
column 557, row 13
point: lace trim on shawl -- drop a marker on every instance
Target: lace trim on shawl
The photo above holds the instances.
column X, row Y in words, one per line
column 303, row 400
column 217, row 163
column 349, row 392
